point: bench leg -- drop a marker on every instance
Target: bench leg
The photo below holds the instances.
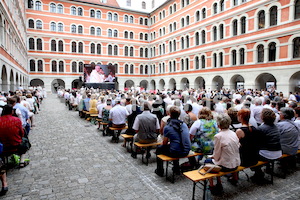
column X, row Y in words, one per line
column 204, row 189
column 272, row 171
column 167, row 167
column 194, row 187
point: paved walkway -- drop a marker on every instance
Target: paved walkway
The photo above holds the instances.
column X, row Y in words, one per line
column 70, row 159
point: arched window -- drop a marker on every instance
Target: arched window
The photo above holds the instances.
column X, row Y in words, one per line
column 198, row 16
column 272, row 51
column 126, row 52
column 202, row 61
column 73, row 28
column 170, row 10
column 54, row 66
column 146, row 37
column 38, row 5
column 146, row 69
column 146, row 22
column 92, row 30
column 131, row 51
column 30, row 23
column 170, row 66
column 98, row 14
column 297, row 9
column 80, row 29
column 260, row 53
column 39, row 24
column 187, row 41
column 215, row 59
column 234, row 27
column 146, row 52
column 182, row 22
column 126, row 69
column 233, row 54
column 116, row 17
column 215, row 33
column 52, row 7
column 203, row 36
column 40, row 65
column 143, row 5
column 215, row 8
column 203, row 13
column 131, row 19
column 92, row 13
column 60, row 27
column 273, row 16
column 80, row 47
column 221, row 31
column 126, row 34
column 98, row 49
column 296, row 47
column 182, row 43
column 80, row 67
column 31, row 43
column 131, row 69
column 32, row 65
column 60, row 9
column 109, row 16
column 174, row 26
column 74, row 66
column 115, row 50
column 98, row 31
column 73, row 10
column 141, row 69
column 93, row 49
column 222, row 5
column 187, row 64
column 182, row 64
column 174, row 7
column 30, row 4
column 53, row 26
column 197, row 62
column 187, row 20
column 39, row 44
column 61, row 66
column 126, row 18
column 235, row 2
column 80, row 12
column 115, row 33
column 131, row 35
column 74, row 47
column 261, row 19
column 221, row 59
column 243, row 25
column 109, row 33
column 141, row 52
column 197, row 38
column 60, row 46
column 174, row 66
column 53, row 45
column 141, row 21
column 242, row 56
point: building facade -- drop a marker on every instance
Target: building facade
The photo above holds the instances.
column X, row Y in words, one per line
column 179, row 44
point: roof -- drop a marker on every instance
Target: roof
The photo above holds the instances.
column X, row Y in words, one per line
column 111, row 3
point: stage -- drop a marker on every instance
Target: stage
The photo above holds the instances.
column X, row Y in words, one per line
column 106, row 86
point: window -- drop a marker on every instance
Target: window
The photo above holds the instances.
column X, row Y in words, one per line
column 187, row 39
column 146, row 37
column 39, row 24
column 273, row 16
column 116, row 17
column 235, row 2
column 60, row 46
column 31, row 43
column 39, row 44
column 80, row 29
column 198, row 16
column 203, row 13
column 141, row 69
column 131, row 51
column 215, row 59
column 261, row 19
column 215, row 8
column 92, row 30
column 126, row 51
column 30, row 4
column 60, row 27
column 182, row 43
column 73, row 28
column 197, row 62
column 174, row 26
column 61, row 66
column 187, row 20
column 80, row 12
column 74, row 66
column 170, row 10
column 126, row 69
column 40, row 65
column 54, row 66
column 187, row 64
column 221, row 59
column 131, row 19
column 128, row 2
column 260, row 53
column 53, row 26
column 126, row 18
column 92, row 13
column 215, row 33
column 98, row 49
column 221, row 30
column 296, row 47
column 52, row 7
column 80, row 67
column 202, row 61
column 297, row 9
column 242, row 56
column 197, row 39
column 53, row 45
column 182, row 22
column 182, row 64
column 243, row 25
column 93, row 49
column 60, row 9
column 109, row 33
column 203, row 37
column 233, row 54
column 109, row 16
column 80, row 47
column 222, row 5
column 98, row 14
column 131, row 35
column 31, row 23
column 141, row 21
column 98, row 31
column 32, row 65
column 38, row 5
column 126, row 34
column 234, row 27
column 146, row 22
column 272, row 51
column 131, row 69
column 115, row 33
column 174, row 7
column 146, row 52
column 141, row 36
column 143, row 5
column 141, row 52
column 74, row 47
column 73, row 10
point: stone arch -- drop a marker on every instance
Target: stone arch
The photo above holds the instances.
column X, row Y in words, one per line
column 17, row 80
column 128, row 84
column 184, row 84
column 56, row 84
column 265, row 80
column 36, row 82
column 199, row 83
column 294, row 82
column 152, row 85
column 12, row 81
column 172, row 84
column 161, row 84
column 217, row 83
column 4, row 79
column 237, row 82
column 144, row 84
column 76, row 83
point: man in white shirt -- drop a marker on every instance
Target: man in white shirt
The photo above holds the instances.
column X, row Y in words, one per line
column 118, row 115
column 97, row 75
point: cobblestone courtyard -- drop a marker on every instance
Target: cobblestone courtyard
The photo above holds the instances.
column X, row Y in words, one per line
column 70, row 159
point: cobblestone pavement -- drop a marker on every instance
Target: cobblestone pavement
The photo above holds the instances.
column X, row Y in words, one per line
column 70, row 159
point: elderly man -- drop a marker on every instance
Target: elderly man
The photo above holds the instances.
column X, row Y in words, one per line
column 146, row 126
column 97, row 75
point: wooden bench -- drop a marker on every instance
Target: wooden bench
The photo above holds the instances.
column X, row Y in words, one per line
column 196, row 177
column 168, row 160
column 147, row 147
column 117, row 132
column 93, row 118
column 127, row 138
column 104, row 126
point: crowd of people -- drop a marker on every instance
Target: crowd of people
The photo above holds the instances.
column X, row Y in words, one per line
column 17, row 110
column 230, row 127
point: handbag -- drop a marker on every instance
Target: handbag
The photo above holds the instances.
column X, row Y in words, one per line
column 209, row 168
